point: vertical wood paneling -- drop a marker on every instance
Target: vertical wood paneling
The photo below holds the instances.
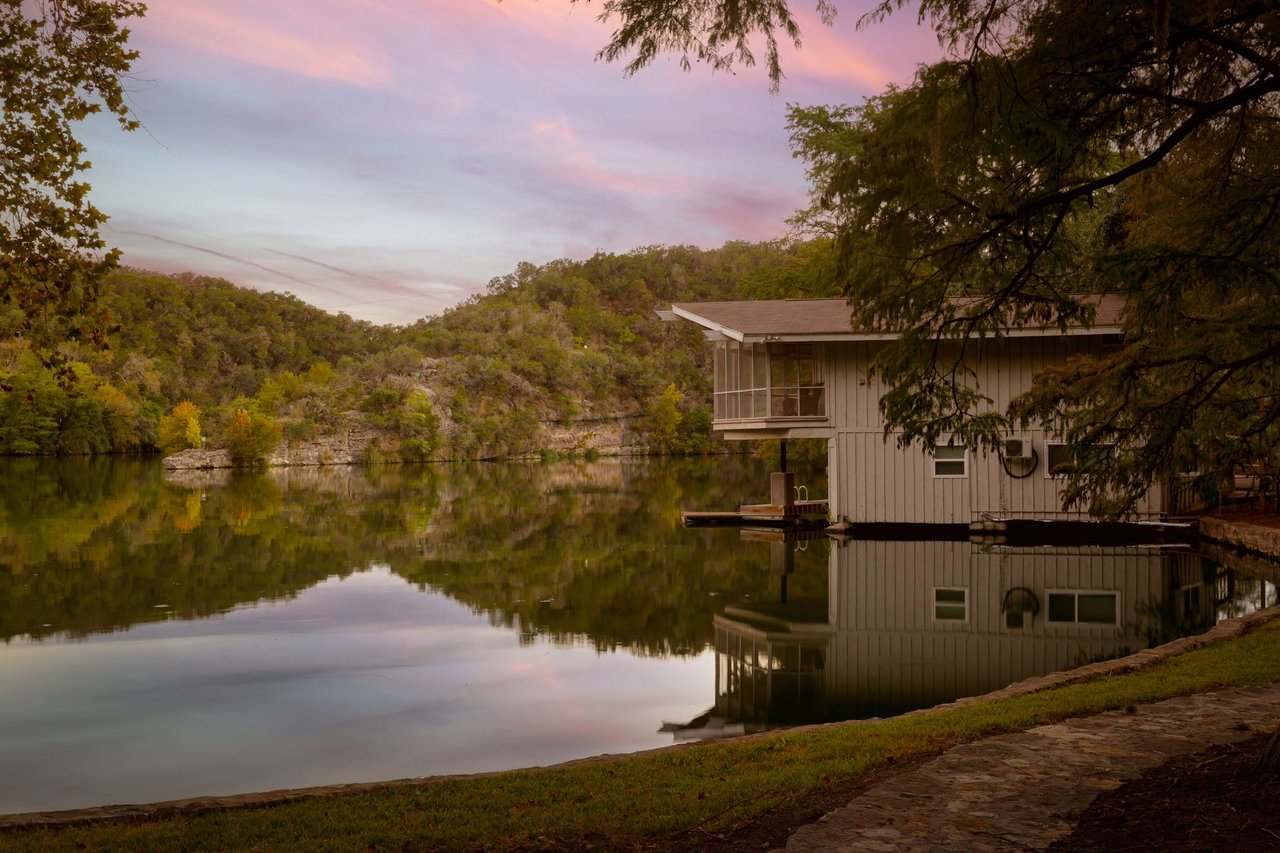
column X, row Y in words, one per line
column 875, row 481
column 886, row 644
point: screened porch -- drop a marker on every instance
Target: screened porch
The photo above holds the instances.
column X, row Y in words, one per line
column 768, row 381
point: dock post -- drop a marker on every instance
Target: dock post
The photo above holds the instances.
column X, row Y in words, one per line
column 782, row 491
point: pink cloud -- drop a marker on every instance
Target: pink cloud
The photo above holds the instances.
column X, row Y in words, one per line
column 869, row 57
column 555, row 20
column 589, row 175
column 564, row 158
column 252, row 38
column 829, row 56
column 592, row 176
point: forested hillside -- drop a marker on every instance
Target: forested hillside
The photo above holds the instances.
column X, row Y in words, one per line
column 196, row 361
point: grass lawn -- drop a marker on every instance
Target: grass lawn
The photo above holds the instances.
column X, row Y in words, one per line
column 618, row 804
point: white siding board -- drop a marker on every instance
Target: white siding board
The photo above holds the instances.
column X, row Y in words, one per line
column 904, row 669
column 873, row 480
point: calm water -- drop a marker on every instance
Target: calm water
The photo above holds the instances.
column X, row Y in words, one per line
column 222, row 633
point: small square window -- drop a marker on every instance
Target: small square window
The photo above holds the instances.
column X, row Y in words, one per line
column 1062, row 607
column 1059, row 459
column 950, row 604
column 1096, row 609
column 950, row 461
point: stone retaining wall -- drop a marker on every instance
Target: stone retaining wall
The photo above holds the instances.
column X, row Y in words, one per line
column 1253, row 538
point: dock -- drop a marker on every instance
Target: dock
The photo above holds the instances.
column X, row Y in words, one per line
column 1027, row 532
column 1054, row 532
column 783, row 510
column 760, row 515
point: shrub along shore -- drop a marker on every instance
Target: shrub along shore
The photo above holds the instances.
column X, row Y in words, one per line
column 631, row 802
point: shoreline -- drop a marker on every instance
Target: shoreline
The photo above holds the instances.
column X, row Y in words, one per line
column 194, row 806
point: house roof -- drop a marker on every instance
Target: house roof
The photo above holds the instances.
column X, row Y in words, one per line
column 829, row 320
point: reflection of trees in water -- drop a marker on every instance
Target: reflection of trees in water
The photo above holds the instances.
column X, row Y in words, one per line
column 141, row 550
column 595, row 553
column 577, row 553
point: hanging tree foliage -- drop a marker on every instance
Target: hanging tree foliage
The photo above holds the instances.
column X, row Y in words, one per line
column 1060, row 147
column 60, row 62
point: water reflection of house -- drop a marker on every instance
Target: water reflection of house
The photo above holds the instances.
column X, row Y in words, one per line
column 795, row 369
column 912, row 624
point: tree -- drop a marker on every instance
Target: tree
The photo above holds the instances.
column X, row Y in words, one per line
column 664, row 419
column 250, row 437
column 419, row 428
column 30, row 414
column 799, row 269
column 716, row 32
column 1060, row 146
column 62, row 61
column 180, row 429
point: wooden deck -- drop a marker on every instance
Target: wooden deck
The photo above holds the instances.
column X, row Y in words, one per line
column 738, row 519
column 1019, row 532
column 799, row 514
column 795, row 508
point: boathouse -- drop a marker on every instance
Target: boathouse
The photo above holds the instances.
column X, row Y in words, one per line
column 787, row 369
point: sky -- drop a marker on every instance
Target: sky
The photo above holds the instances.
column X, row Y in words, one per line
column 387, row 158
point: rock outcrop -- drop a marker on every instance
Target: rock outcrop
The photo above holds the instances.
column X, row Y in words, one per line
column 613, row 436
column 606, row 436
column 344, row 448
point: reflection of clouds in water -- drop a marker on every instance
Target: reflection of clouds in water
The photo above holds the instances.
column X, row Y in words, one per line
column 329, row 639
column 357, row 679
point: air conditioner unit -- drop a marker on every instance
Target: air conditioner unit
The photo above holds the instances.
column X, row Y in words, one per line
column 1016, row 448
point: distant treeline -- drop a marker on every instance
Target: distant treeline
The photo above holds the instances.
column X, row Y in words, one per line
column 199, row 361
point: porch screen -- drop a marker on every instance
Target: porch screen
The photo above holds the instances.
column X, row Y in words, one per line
column 796, row 382
column 756, row 381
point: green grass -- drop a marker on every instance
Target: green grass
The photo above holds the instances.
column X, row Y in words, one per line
column 618, row 804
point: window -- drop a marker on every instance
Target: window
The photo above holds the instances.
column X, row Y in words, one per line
column 1059, row 459
column 950, row 461
column 741, row 373
column 795, row 382
column 754, row 381
column 950, row 604
column 1086, row 607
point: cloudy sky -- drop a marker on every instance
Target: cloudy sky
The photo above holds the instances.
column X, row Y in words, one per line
column 386, row 158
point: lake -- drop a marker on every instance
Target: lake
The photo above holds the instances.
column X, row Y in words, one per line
column 225, row 632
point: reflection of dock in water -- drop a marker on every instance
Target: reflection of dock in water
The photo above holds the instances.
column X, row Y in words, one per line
column 771, row 661
column 785, row 509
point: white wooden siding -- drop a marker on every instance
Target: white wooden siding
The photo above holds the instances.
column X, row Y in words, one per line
column 871, row 479
column 886, row 648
